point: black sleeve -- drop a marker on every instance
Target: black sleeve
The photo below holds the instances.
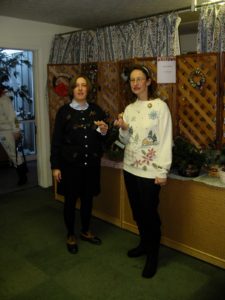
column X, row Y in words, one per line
column 113, row 132
column 101, row 114
column 57, row 140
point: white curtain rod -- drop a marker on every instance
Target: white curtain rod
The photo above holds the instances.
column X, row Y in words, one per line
column 185, row 9
column 192, row 8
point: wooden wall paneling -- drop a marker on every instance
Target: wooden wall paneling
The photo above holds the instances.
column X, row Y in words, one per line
column 193, row 220
column 107, row 205
column 222, row 89
column 108, row 93
column 58, row 83
column 196, row 106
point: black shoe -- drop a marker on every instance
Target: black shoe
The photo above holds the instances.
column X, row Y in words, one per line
column 22, row 174
column 89, row 237
column 72, row 244
column 136, row 252
column 150, row 267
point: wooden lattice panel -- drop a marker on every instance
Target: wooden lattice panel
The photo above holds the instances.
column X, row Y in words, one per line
column 108, row 88
column 125, row 95
column 197, row 105
column 58, row 82
column 223, row 99
column 91, row 71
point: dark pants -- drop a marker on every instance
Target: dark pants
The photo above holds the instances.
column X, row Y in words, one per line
column 80, row 183
column 85, row 212
column 143, row 196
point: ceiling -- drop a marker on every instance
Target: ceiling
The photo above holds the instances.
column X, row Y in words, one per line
column 86, row 14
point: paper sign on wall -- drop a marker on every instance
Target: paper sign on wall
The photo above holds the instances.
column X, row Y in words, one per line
column 166, row 70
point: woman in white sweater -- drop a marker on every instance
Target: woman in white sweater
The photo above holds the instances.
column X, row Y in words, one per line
column 146, row 130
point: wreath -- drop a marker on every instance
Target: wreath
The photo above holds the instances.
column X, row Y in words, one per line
column 61, row 84
column 197, row 79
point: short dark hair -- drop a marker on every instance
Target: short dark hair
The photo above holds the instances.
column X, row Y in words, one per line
column 73, row 83
column 152, row 88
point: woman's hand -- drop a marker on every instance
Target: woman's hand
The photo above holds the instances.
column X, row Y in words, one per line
column 103, row 127
column 119, row 122
column 160, row 181
column 57, row 174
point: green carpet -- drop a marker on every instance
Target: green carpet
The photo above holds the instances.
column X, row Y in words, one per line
column 34, row 262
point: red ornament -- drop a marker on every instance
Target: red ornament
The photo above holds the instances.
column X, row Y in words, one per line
column 61, row 90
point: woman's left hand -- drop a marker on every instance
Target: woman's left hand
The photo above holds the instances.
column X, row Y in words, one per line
column 103, row 127
column 160, row 181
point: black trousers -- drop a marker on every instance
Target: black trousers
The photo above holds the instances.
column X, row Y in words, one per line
column 143, row 196
column 80, row 183
column 85, row 212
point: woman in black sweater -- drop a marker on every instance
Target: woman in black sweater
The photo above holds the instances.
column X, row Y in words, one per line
column 76, row 152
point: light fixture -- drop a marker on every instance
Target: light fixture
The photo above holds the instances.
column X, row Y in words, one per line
column 212, row 2
column 193, row 5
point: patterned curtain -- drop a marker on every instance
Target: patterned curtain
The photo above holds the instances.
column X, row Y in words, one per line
column 75, row 48
column 211, row 29
column 153, row 36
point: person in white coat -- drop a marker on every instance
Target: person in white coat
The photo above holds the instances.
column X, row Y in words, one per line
column 10, row 134
column 146, row 130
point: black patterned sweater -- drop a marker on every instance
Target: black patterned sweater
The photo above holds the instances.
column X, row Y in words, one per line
column 75, row 137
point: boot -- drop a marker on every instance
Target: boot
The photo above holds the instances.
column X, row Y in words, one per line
column 22, row 174
column 151, row 263
column 136, row 252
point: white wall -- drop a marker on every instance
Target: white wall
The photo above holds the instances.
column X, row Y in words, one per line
column 23, row 34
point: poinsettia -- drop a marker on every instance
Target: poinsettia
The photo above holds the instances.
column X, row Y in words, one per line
column 61, row 90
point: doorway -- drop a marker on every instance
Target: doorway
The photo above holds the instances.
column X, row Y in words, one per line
column 21, row 91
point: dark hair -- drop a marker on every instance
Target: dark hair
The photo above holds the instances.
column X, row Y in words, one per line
column 152, row 88
column 73, row 83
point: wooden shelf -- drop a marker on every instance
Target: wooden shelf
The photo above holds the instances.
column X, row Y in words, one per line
column 192, row 214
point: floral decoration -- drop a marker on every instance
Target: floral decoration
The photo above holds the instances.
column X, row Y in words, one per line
column 61, row 85
column 61, row 90
column 197, row 79
column 146, row 159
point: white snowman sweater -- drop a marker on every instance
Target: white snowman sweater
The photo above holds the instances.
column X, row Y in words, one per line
column 148, row 140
